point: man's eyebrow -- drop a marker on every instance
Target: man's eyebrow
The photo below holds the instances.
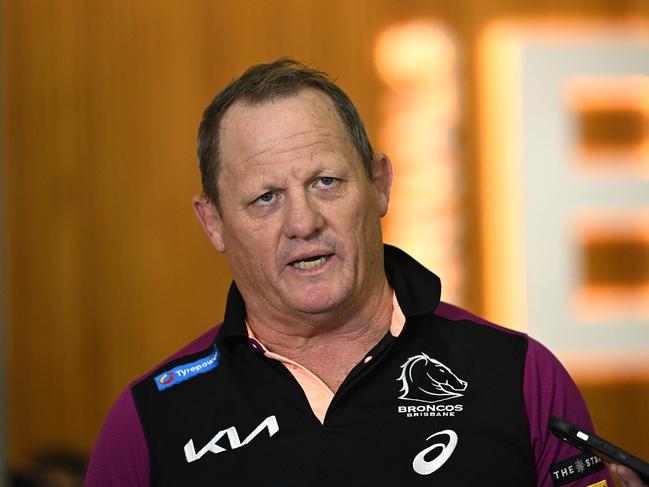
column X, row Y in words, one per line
column 257, row 189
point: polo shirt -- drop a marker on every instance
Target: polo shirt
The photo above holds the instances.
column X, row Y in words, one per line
column 447, row 399
column 316, row 391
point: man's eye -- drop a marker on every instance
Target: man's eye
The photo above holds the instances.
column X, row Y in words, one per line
column 327, row 181
column 266, row 198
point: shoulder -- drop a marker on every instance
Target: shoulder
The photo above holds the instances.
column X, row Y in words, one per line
column 544, row 376
column 198, row 346
column 548, row 390
column 480, row 337
column 455, row 313
column 120, row 456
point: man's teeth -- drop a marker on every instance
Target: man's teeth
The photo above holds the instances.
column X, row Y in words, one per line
column 311, row 264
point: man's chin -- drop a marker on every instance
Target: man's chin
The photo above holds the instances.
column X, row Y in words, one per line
column 314, row 303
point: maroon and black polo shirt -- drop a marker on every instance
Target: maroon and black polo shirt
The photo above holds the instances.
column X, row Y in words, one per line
column 451, row 400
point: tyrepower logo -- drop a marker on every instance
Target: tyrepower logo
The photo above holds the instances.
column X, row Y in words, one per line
column 232, row 440
column 187, row 371
column 427, row 382
column 166, row 379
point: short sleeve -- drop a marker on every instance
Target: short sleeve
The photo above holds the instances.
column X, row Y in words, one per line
column 550, row 391
column 120, row 456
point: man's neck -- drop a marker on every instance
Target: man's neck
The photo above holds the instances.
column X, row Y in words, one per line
column 329, row 346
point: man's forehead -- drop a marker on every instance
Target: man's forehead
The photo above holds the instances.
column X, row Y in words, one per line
column 305, row 103
column 248, row 129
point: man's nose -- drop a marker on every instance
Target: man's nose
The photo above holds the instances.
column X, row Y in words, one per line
column 302, row 217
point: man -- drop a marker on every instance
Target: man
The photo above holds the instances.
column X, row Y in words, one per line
column 336, row 364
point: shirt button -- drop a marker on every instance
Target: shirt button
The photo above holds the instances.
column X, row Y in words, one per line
column 367, row 359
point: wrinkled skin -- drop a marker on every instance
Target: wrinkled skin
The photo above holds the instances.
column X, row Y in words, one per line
column 299, row 216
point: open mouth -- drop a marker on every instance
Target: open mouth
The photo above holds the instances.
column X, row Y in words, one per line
column 311, row 262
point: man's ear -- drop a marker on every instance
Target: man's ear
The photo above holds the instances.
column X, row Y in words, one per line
column 210, row 220
column 382, row 180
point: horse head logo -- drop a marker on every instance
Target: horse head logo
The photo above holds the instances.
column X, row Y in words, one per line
column 425, row 379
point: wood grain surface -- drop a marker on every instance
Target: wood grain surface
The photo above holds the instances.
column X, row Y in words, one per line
column 107, row 270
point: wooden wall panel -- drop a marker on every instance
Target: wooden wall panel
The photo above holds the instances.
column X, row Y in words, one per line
column 107, row 271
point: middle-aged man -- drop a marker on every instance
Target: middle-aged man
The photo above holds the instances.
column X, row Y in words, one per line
column 336, row 362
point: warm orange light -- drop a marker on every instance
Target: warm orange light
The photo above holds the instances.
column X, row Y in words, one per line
column 418, row 52
column 416, row 60
column 501, row 48
column 624, row 294
column 612, row 98
column 501, row 179
column 605, row 366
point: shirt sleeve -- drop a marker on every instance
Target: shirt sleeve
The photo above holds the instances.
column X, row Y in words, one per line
column 550, row 391
column 120, row 456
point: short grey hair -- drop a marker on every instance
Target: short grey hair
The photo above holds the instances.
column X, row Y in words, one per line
column 267, row 82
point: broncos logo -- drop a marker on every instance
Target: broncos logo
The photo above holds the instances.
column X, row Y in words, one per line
column 425, row 379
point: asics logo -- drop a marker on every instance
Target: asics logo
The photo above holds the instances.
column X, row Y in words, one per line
column 424, row 466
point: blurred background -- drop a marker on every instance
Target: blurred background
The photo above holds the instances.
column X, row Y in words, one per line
column 519, row 134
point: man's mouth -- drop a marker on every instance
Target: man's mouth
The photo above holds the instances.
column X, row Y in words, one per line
column 310, row 262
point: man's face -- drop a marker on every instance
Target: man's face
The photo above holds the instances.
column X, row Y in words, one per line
column 299, row 216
